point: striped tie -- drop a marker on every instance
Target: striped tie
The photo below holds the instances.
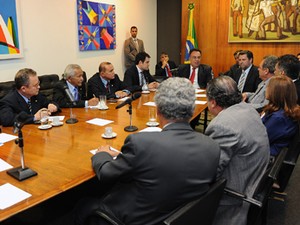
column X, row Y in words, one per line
column 29, row 106
column 242, row 81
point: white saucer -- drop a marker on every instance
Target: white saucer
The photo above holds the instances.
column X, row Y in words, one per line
column 57, row 124
column 45, row 127
column 145, row 92
column 103, row 108
column 152, row 124
column 113, row 135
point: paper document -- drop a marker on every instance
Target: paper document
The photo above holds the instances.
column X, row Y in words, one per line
column 4, row 165
column 99, row 122
column 111, row 148
column 200, row 95
column 151, row 129
column 150, row 103
column 61, row 118
column 11, row 195
column 197, row 102
column 6, row 137
column 199, row 90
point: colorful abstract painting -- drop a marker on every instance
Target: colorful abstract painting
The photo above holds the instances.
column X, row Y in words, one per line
column 10, row 46
column 96, row 26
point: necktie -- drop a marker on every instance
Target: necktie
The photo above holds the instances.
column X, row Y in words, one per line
column 29, row 106
column 75, row 94
column 242, row 81
column 168, row 71
column 192, row 77
column 142, row 80
column 107, row 87
column 136, row 44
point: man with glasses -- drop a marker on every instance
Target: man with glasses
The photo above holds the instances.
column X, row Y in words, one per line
column 25, row 98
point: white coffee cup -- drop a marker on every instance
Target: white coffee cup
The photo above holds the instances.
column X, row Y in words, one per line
column 55, row 120
column 108, row 132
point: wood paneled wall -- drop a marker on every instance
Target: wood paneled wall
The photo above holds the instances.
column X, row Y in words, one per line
column 211, row 21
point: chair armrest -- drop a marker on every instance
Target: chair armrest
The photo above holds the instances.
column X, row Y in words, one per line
column 242, row 196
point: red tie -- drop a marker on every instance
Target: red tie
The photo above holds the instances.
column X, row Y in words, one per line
column 168, row 71
column 192, row 78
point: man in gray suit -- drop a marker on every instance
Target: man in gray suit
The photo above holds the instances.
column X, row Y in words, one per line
column 266, row 70
column 132, row 47
column 244, row 145
column 156, row 172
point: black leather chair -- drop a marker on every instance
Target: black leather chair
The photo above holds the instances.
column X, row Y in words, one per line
column 289, row 162
column 199, row 211
column 5, row 87
column 259, row 202
column 47, row 83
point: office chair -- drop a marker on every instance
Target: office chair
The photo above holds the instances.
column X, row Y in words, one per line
column 6, row 87
column 199, row 211
column 257, row 213
column 47, row 83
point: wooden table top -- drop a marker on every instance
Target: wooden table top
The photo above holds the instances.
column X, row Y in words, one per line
column 61, row 155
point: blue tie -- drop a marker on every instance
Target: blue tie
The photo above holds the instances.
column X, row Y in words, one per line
column 75, row 94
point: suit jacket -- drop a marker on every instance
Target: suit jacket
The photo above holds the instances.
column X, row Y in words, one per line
column 96, row 86
column 204, row 73
column 132, row 80
column 233, row 71
column 13, row 103
column 157, row 173
column 297, row 83
column 244, row 145
column 163, row 72
column 258, row 98
column 280, row 129
column 252, row 80
column 130, row 51
column 60, row 96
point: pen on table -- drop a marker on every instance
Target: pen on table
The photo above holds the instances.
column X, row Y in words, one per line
column 114, row 150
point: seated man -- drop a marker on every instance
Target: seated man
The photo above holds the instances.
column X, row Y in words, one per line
column 164, row 67
column 25, row 98
column 157, row 171
column 138, row 75
column 106, row 82
column 72, row 80
column 199, row 74
column 266, row 70
column 244, row 144
column 235, row 67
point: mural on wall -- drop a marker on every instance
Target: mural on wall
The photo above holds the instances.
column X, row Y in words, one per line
column 96, row 26
column 264, row 21
column 10, row 43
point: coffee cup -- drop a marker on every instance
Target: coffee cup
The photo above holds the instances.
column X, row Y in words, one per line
column 55, row 120
column 108, row 132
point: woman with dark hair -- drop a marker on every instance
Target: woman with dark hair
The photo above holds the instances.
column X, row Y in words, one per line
column 282, row 114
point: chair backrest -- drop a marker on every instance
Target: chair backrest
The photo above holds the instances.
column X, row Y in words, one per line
column 264, row 189
column 289, row 162
column 5, row 87
column 47, row 83
column 200, row 211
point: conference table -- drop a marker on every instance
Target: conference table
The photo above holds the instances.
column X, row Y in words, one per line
column 61, row 155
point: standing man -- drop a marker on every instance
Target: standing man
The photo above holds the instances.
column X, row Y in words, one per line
column 150, row 176
column 237, row 8
column 106, row 82
column 266, row 70
column 138, row 75
column 132, row 47
column 72, row 80
column 25, row 98
column 199, row 74
column 244, row 143
column 289, row 65
column 165, row 66
column 247, row 77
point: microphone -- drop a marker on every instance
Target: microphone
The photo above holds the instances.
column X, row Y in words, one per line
column 69, row 94
column 129, row 100
column 20, row 120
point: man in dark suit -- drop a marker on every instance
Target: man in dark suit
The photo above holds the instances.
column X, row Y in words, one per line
column 150, row 175
column 132, row 47
column 244, row 143
column 106, row 82
column 199, row 74
column 72, row 80
column 165, row 66
column 289, row 65
column 234, row 68
column 138, row 75
column 25, row 98
column 247, row 77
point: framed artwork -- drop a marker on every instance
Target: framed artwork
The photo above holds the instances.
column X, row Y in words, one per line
column 10, row 34
column 96, row 26
column 264, row 21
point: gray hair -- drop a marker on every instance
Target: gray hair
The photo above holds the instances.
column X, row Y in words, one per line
column 224, row 91
column 270, row 62
column 70, row 70
column 175, row 99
